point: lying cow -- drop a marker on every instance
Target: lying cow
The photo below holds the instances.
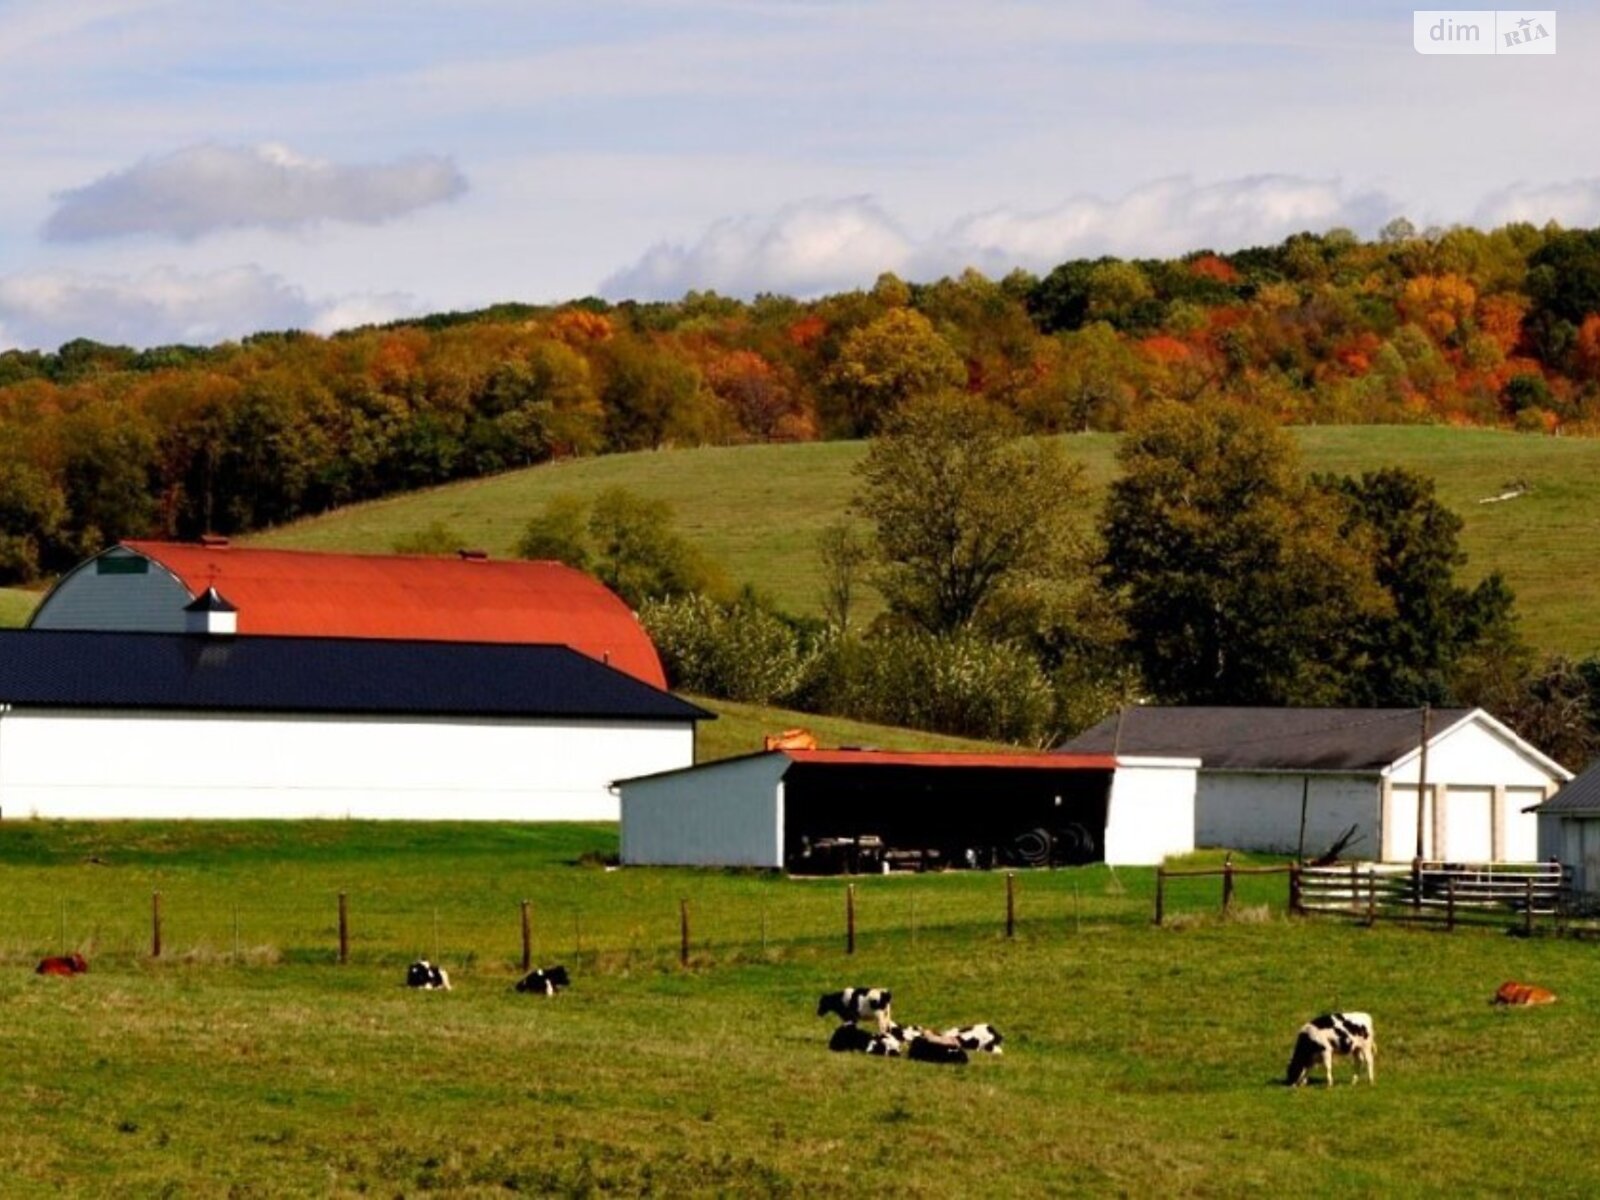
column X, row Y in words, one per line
column 935, row 1050
column 984, row 1038
column 544, row 981
column 423, row 974
column 853, row 1039
column 68, row 964
column 1518, row 995
column 1344, row 1034
column 856, row 1004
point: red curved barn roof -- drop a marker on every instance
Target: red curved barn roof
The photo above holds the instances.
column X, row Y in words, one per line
column 312, row 594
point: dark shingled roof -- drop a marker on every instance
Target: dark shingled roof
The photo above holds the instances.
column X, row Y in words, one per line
column 77, row 669
column 1268, row 739
column 1582, row 795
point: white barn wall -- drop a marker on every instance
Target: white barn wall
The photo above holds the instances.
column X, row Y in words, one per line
column 119, row 764
column 720, row 814
column 1257, row 811
column 1150, row 811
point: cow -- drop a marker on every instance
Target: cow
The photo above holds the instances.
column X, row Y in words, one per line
column 857, row 1003
column 1345, row 1034
column 423, row 974
column 984, row 1038
column 853, row 1039
column 544, row 981
column 68, row 964
column 935, row 1050
column 1519, row 995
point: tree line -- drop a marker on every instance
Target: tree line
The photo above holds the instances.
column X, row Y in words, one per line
column 102, row 442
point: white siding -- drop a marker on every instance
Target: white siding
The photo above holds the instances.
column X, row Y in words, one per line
column 125, row 764
column 727, row 814
column 1261, row 812
column 1150, row 812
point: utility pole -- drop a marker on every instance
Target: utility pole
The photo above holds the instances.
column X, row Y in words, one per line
column 1422, row 776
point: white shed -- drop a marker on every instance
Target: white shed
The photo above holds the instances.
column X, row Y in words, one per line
column 1293, row 780
column 114, row 725
column 1569, row 829
column 791, row 809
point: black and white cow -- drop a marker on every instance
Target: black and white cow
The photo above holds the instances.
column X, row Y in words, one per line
column 934, row 1049
column 544, row 981
column 984, row 1038
column 854, row 1039
column 423, row 974
column 857, row 1004
column 1345, row 1034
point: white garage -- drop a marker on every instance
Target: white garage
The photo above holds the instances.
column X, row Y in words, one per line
column 118, row 725
column 1295, row 780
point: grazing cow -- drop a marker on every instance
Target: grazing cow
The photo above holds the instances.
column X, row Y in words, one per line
column 1323, row 1037
column 544, row 981
column 854, row 1039
column 423, row 974
column 857, row 1003
column 69, row 964
column 985, row 1038
column 1519, row 995
column 935, row 1050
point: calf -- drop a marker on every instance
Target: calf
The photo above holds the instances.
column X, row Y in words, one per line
column 423, row 974
column 69, row 964
column 984, row 1038
column 544, row 981
column 855, row 1004
column 1517, row 995
column 1344, row 1034
column 854, row 1039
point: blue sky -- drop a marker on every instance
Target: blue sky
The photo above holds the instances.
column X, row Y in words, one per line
column 179, row 170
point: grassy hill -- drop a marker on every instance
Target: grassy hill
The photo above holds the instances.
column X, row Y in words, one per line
column 757, row 509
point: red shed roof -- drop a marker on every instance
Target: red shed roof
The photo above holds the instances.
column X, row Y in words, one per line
column 939, row 758
column 312, row 594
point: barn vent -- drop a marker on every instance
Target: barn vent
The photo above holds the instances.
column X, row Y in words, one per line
column 214, row 541
column 210, row 614
column 473, row 555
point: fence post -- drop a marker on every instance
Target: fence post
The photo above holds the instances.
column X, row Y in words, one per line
column 527, row 939
column 1227, row 882
column 1161, row 892
column 683, row 933
column 344, row 930
column 1372, row 897
column 1527, row 925
column 1355, row 888
column 155, row 924
column 1296, row 904
column 1011, row 904
column 849, row 918
column 1450, row 903
column 1416, row 884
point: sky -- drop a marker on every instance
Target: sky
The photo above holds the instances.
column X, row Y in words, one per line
column 196, row 170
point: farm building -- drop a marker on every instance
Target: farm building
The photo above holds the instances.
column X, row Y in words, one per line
column 818, row 811
column 1569, row 829
column 205, row 724
column 144, row 586
column 1293, row 780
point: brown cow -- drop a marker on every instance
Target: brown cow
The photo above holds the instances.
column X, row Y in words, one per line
column 70, row 964
column 1519, row 995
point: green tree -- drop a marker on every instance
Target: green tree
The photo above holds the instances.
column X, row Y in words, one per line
column 435, row 538
column 964, row 511
column 559, row 534
column 1235, row 583
column 843, row 552
column 896, row 358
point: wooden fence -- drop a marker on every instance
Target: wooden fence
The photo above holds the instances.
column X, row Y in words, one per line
column 1448, row 893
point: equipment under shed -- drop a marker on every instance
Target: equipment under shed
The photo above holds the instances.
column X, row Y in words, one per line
column 829, row 811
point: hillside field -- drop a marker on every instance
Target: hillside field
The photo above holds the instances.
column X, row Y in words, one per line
column 757, row 509
column 1138, row 1061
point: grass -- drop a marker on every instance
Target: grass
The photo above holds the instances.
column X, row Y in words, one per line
column 739, row 729
column 757, row 509
column 1138, row 1061
column 17, row 605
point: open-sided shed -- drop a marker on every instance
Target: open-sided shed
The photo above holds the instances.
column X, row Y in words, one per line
column 813, row 811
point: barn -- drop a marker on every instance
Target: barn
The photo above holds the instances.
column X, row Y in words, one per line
column 820, row 811
column 145, row 586
column 1293, row 780
column 1569, row 829
column 205, row 724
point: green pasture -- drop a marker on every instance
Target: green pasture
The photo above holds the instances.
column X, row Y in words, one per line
column 739, row 729
column 1139, row 1061
column 757, row 509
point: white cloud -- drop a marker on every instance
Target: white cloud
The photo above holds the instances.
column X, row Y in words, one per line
column 1573, row 203
column 163, row 306
column 824, row 245
column 807, row 248
column 205, row 188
